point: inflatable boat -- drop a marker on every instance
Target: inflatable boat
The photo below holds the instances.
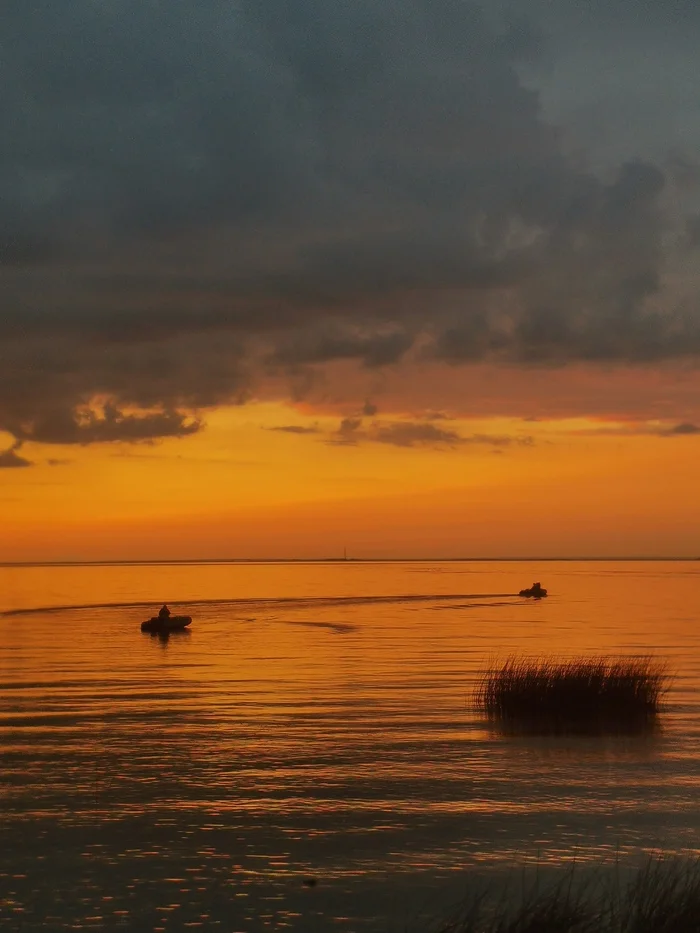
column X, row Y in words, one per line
column 167, row 624
column 535, row 591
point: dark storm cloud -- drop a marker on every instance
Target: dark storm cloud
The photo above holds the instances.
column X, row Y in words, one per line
column 621, row 77
column 111, row 424
column 693, row 231
column 374, row 349
column 46, row 383
column 184, row 186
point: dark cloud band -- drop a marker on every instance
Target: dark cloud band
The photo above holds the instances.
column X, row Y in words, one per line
column 193, row 193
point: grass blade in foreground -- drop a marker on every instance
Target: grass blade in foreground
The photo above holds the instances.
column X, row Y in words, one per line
column 664, row 897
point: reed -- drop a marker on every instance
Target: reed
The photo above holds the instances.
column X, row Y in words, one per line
column 579, row 691
column 663, row 897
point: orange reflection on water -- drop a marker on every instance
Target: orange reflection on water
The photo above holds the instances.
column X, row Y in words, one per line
column 307, row 724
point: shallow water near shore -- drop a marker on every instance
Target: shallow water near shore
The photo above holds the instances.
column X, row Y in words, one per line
column 307, row 757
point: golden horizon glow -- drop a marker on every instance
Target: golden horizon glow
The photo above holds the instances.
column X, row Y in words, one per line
column 269, row 480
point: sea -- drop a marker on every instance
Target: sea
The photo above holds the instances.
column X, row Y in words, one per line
column 307, row 755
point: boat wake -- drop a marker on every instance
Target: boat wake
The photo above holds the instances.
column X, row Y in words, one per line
column 266, row 604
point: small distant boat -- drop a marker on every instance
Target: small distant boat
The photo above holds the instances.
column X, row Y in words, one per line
column 536, row 591
column 167, row 624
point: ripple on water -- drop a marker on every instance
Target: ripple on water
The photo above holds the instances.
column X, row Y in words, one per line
column 319, row 734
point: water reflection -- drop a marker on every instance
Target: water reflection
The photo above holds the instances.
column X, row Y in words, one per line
column 164, row 637
column 642, row 725
column 332, row 738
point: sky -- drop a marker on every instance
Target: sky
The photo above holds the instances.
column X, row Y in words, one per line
column 401, row 279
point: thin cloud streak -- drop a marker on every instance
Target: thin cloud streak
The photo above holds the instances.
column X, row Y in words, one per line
column 408, row 434
column 683, row 429
column 294, row 429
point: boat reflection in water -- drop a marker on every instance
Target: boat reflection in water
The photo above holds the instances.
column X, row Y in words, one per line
column 165, row 636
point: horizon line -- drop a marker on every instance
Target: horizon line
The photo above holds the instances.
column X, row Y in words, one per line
column 334, row 560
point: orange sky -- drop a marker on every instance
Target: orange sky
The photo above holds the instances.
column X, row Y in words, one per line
column 418, row 285
column 402, row 483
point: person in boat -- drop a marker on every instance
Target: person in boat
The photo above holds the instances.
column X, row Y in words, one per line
column 164, row 613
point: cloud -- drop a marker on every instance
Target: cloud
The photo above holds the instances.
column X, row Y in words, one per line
column 111, row 424
column 628, row 429
column 10, row 459
column 46, row 385
column 417, row 434
column 684, row 428
column 349, row 432
column 193, row 198
column 414, row 434
column 501, row 440
column 295, row 429
column 339, row 341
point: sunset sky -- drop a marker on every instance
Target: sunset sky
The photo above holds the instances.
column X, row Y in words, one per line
column 411, row 279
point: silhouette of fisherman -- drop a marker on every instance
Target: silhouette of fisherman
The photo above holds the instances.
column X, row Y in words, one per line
column 164, row 613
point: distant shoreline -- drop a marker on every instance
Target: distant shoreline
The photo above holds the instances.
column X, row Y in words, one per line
column 340, row 560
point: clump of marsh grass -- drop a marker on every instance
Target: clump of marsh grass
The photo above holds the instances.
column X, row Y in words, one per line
column 561, row 908
column 580, row 694
column 663, row 897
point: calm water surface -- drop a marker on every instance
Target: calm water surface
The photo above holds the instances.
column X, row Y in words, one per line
column 316, row 723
